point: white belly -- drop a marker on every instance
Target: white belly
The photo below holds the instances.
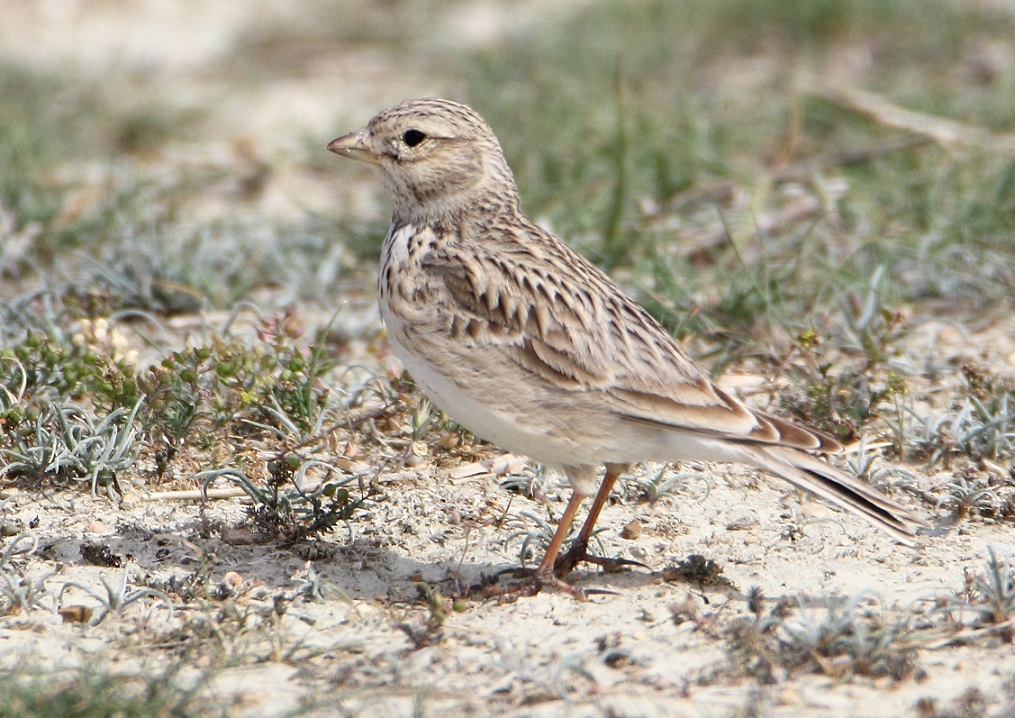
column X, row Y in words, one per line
column 508, row 430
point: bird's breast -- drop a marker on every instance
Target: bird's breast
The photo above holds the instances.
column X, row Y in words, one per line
column 414, row 305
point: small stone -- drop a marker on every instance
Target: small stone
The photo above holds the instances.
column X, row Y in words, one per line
column 238, row 536
column 632, row 530
column 450, row 440
column 743, row 523
column 98, row 527
column 788, row 697
column 351, row 465
column 76, row 614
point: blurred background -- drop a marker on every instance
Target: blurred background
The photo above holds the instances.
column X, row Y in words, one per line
column 178, row 145
column 760, row 175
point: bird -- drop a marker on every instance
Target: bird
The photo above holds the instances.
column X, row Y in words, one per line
column 530, row 346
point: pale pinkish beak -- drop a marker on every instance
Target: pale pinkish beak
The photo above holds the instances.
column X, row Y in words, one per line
column 355, row 145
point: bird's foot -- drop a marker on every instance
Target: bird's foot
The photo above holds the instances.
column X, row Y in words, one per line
column 531, row 581
column 579, row 552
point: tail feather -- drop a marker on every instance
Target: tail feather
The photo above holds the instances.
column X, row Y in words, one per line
column 839, row 489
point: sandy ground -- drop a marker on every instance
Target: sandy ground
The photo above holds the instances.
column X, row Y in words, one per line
column 362, row 647
column 619, row 653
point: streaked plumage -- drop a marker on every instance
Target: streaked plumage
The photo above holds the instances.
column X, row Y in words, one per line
column 530, row 346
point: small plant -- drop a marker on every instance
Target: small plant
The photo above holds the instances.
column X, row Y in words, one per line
column 658, row 486
column 531, row 481
column 535, row 536
column 17, row 592
column 312, row 588
column 69, row 359
column 428, row 630
column 981, row 425
column 968, row 493
column 269, row 385
column 843, row 640
column 991, row 596
column 282, row 507
column 845, row 379
column 116, row 598
column 13, row 390
column 866, row 464
column 66, row 442
column 536, row 533
column 697, row 570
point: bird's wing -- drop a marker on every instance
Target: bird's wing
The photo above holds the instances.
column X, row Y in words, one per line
column 564, row 321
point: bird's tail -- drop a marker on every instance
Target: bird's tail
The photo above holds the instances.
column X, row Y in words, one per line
column 839, row 489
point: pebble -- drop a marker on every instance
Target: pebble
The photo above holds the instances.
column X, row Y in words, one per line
column 632, row 530
column 98, row 528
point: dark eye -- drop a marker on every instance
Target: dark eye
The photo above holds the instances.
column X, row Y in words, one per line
column 413, row 137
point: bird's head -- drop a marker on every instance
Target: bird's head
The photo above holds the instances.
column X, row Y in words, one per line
column 436, row 158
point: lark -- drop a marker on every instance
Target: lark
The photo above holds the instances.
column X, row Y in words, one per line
column 530, row 346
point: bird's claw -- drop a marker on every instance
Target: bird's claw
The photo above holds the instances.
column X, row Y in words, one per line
column 578, row 553
column 532, row 582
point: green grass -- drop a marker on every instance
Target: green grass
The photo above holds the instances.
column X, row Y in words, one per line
column 676, row 144
column 63, row 135
column 618, row 109
column 41, row 121
column 97, row 693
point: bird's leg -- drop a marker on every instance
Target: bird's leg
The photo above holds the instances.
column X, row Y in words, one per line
column 579, row 548
column 544, row 575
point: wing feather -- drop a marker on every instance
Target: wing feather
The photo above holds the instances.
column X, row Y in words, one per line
column 565, row 322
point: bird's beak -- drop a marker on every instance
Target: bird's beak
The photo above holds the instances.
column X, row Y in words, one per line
column 355, row 145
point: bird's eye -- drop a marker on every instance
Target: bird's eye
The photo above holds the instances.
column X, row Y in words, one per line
column 413, row 137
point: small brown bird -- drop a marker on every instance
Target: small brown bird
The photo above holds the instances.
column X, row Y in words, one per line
column 528, row 345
